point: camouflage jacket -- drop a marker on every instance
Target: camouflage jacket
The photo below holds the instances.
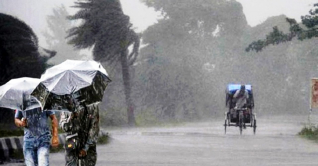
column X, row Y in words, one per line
column 84, row 124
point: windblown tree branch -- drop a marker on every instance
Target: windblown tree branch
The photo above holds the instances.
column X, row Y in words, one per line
column 108, row 30
column 295, row 31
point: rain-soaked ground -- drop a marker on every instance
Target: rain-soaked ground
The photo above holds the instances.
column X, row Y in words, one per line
column 198, row 144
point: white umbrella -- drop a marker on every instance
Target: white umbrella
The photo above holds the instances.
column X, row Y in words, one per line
column 15, row 93
column 87, row 79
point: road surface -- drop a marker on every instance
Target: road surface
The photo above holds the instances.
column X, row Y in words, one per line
column 275, row 143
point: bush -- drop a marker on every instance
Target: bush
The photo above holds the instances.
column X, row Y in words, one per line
column 11, row 133
column 113, row 117
column 309, row 132
column 104, row 139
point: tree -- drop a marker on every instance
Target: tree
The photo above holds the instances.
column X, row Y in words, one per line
column 107, row 29
column 295, row 59
column 19, row 50
column 190, row 34
column 56, row 36
column 20, row 56
column 295, row 31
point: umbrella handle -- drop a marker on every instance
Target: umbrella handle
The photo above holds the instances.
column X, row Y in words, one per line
column 24, row 117
column 23, row 113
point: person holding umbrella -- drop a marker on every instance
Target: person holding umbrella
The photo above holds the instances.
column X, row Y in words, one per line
column 15, row 95
column 75, row 87
column 81, row 123
column 37, row 136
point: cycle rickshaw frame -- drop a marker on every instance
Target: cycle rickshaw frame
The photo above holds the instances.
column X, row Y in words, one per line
column 241, row 118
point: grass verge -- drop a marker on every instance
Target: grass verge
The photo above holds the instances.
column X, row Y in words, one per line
column 11, row 133
column 309, row 132
column 104, row 139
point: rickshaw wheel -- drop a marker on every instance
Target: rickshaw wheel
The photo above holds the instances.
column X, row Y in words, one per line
column 241, row 124
column 241, row 128
column 225, row 124
column 228, row 119
column 254, row 127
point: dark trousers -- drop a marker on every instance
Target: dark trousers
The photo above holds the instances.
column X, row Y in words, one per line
column 72, row 159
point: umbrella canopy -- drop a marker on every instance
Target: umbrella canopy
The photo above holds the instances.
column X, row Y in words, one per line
column 87, row 79
column 15, row 94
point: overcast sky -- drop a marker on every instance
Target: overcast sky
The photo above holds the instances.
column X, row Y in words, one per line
column 257, row 11
column 34, row 12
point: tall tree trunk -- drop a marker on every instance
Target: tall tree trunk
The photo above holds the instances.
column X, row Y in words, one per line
column 127, row 87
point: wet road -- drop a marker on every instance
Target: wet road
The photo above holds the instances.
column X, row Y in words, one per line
column 275, row 143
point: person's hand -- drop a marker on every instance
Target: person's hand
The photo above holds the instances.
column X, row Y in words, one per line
column 55, row 141
column 82, row 153
column 24, row 122
column 73, row 115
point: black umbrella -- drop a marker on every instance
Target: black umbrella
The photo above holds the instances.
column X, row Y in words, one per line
column 85, row 80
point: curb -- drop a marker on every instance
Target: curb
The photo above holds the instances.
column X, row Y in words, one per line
column 12, row 145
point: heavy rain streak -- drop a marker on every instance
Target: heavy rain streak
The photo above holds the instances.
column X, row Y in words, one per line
column 175, row 66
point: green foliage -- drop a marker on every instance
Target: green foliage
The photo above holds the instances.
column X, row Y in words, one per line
column 108, row 30
column 19, row 50
column 146, row 118
column 105, row 27
column 113, row 117
column 17, row 155
column 276, row 37
column 309, row 132
column 11, row 133
column 171, row 81
column 104, row 139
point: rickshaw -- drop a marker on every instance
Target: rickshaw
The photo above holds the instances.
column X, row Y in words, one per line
column 239, row 117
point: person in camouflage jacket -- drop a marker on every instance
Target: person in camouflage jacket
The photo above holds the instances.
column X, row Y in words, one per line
column 82, row 127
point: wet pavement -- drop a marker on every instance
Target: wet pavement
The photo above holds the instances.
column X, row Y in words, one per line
column 275, row 143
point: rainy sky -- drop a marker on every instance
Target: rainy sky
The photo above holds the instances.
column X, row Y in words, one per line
column 34, row 12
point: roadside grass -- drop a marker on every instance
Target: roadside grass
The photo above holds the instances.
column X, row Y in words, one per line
column 104, row 139
column 16, row 133
column 309, row 132
column 18, row 154
column 11, row 133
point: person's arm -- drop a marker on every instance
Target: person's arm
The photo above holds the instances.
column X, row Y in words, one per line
column 55, row 137
column 236, row 94
column 19, row 120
